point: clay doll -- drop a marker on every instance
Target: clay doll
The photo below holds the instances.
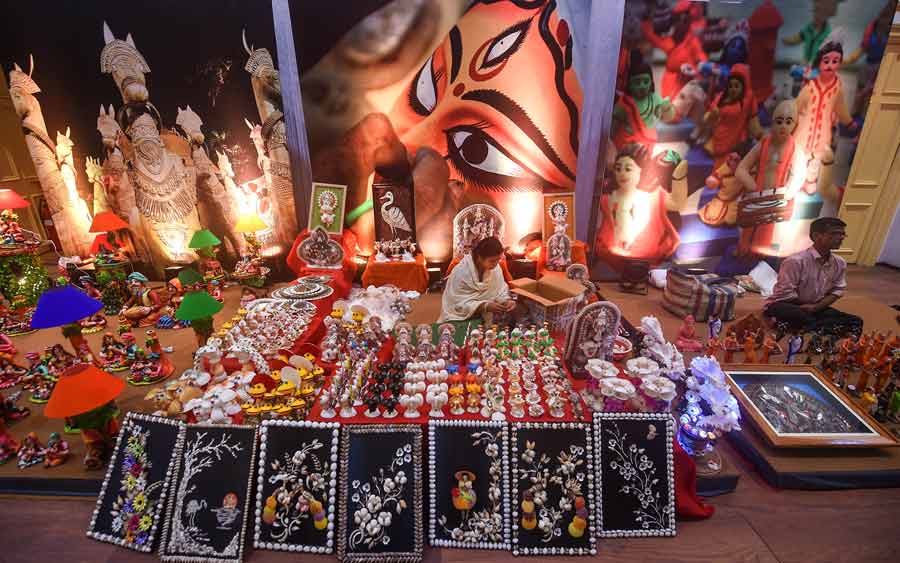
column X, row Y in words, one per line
column 638, row 110
column 722, row 209
column 779, row 163
column 114, row 353
column 635, row 214
column 712, row 347
column 31, row 452
column 820, row 105
column 143, row 305
column 9, row 412
column 814, row 34
column 764, row 24
column 769, row 346
column 10, row 371
column 176, row 295
column 8, row 445
column 424, row 346
column 99, row 428
column 750, row 347
column 795, row 344
column 57, row 451
column 687, row 336
column 681, row 47
column 97, row 321
column 713, row 326
column 731, row 116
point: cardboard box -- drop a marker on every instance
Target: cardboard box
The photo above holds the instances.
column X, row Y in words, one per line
column 552, row 299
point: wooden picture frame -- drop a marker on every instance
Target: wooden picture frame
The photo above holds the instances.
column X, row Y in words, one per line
column 568, row 199
column 635, row 454
column 297, row 460
column 473, row 453
column 869, row 433
column 339, row 191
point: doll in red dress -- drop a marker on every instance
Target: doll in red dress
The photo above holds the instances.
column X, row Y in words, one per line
column 635, row 222
column 682, row 47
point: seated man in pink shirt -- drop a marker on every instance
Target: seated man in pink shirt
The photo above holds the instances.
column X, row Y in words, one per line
column 810, row 281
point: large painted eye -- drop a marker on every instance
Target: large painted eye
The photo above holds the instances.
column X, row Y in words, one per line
column 479, row 151
column 423, row 94
column 481, row 161
column 505, row 44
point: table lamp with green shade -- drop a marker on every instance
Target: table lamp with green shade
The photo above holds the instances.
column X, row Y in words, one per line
column 205, row 243
column 199, row 308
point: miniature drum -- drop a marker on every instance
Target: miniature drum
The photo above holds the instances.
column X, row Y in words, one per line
column 767, row 206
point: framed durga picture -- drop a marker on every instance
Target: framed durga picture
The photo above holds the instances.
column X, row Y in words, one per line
column 559, row 215
column 326, row 207
column 797, row 406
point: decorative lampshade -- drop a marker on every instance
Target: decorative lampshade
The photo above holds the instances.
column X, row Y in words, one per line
column 80, row 389
column 250, row 223
column 197, row 305
column 189, row 277
column 59, row 306
column 101, row 242
column 9, row 199
column 203, row 239
column 107, row 221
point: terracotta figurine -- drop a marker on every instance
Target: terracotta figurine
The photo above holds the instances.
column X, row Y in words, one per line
column 143, row 305
column 687, row 336
column 57, row 451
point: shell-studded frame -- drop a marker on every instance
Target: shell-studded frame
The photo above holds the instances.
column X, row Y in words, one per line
column 433, row 426
column 331, row 485
column 467, row 218
column 170, row 508
column 339, row 192
column 113, row 463
column 548, row 226
column 583, row 322
column 669, row 425
column 419, row 541
column 513, row 487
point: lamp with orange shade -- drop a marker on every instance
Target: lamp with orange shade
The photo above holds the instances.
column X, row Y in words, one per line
column 85, row 396
column 250, row 270
column 106, row 245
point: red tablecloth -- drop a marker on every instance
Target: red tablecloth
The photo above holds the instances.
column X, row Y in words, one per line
column 408, row 276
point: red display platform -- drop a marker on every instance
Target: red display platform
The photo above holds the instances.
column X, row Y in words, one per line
column 407, row 276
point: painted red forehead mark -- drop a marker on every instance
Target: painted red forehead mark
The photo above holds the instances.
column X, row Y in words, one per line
column 562, row 33
column 459, row 89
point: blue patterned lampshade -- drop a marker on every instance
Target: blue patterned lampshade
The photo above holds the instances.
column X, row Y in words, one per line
column 59, row 306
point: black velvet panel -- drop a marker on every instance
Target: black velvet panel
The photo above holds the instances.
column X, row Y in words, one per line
column 636, row 486
column 295, row 498
column 131, row 499
column 209, row 500
column 552, row 489
column 467, row 462
column 381, row 493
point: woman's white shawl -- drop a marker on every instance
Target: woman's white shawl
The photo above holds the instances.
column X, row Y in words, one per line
column 465, row 292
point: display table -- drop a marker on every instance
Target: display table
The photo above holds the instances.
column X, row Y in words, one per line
column 819, row 468
column 407, row 276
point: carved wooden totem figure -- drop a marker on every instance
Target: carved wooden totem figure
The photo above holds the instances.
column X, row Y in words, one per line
column 271, row 143
column 53, row 164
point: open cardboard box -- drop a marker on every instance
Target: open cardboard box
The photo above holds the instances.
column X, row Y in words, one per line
column 552, row 299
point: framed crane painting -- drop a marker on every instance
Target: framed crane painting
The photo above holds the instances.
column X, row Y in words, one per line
column 395, row 211
column 327, row 207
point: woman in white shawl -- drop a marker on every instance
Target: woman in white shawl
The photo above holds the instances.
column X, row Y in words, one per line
column 476, row 285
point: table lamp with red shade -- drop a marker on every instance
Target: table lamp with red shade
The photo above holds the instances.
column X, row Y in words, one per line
column 106, row 245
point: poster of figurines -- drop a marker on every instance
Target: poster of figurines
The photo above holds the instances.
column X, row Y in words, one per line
column 734, row 126
column 174, row 128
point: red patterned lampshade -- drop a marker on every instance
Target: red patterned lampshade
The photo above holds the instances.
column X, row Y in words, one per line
column 9, row 199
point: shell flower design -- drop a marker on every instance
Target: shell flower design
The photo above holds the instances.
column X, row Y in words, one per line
column 378, row 501
column 300, row 495
column 133, row 511
column 485, row 524
column 640, row 476
column 566, row 476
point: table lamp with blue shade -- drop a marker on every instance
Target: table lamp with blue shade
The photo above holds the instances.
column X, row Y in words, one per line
column 64, row 307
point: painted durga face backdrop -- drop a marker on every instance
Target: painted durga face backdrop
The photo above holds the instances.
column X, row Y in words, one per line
column 499, row 100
